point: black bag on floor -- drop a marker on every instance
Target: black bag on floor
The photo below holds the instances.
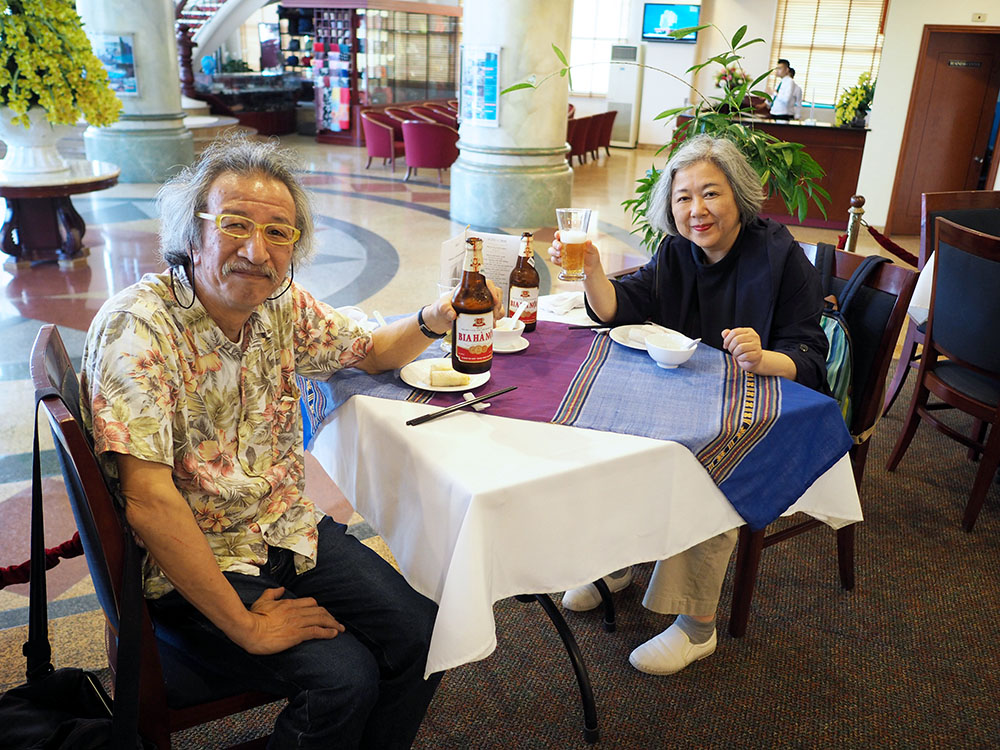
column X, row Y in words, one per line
column 68, row 709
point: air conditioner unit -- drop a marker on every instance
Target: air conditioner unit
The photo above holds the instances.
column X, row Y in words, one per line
column 625, row 92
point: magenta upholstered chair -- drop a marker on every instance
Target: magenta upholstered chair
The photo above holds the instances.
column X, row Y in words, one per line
column 607, row 125
column 570, row 131
column 594, row 135
column 579, row 140
column 380, row 137
column 429, row 144
column 437, row 115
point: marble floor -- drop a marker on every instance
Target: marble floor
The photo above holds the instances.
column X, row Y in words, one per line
column 378, row 243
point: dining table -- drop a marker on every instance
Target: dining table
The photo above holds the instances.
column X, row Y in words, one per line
column 599, row 459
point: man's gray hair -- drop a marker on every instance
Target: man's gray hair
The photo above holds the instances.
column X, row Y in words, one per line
column 185, row 194
column 722, row 153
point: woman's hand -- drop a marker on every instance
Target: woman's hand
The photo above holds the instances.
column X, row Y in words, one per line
column 744, row 344
column 591, row 256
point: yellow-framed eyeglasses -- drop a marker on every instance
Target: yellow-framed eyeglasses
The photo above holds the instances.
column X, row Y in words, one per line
column 242, row 228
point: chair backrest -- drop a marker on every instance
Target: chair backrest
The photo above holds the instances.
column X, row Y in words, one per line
column 978, row 209
column 607, row 125
column 594, row 132
column 965, row 303
column 437, row 115
column 429, row 144
column 102, row 535
column 875, row 318
column 380, row 132
column 578, row 143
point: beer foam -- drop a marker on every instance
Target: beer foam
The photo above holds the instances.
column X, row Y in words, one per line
column 572, row 236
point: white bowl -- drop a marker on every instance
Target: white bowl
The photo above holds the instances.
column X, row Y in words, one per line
column 669, row 349
column 507, row 337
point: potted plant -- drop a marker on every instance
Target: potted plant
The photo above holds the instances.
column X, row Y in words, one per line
column 784, row 167
column 49, row 76
column 855, row 102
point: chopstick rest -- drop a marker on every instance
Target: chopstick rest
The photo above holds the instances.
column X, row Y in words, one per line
column 455, row 407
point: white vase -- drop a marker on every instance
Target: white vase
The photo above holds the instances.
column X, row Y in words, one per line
column 31, row 150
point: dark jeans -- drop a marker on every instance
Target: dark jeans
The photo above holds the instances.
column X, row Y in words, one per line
column 362, row 689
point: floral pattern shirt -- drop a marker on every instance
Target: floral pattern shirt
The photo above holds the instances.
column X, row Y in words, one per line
column 164, row 384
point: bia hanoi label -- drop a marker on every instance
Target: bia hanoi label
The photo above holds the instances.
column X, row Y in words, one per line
column 519, row 294
column 474, row 337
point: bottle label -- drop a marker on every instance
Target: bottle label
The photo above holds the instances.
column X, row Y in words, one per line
column 474, row 337
column 519, row 294
column 473, row 261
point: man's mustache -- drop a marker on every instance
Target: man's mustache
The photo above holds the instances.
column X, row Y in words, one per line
column 241, row 266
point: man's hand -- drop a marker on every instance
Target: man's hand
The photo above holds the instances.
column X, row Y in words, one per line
column 439, row 314
column 279, row 624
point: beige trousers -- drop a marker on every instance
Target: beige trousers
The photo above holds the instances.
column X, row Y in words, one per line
column 690, row 583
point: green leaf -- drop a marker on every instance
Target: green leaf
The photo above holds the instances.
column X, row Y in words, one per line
column 740, row 33
column 671, row 112
column 560, row 55
column 563, row 72
column 758, row 40
column 678, row 33
column 516, row 87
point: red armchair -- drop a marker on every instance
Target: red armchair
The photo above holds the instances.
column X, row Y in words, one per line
column 429, row 144
column 380, row 137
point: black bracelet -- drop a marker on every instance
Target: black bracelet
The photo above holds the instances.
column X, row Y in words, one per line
column 423, row 326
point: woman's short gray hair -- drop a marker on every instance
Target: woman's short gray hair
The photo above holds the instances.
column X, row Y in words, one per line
column 722, row 153
column 185, row 194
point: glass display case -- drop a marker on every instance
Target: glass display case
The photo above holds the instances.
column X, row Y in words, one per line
column 364, row 55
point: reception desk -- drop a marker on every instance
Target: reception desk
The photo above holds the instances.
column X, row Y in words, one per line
column 837, row 150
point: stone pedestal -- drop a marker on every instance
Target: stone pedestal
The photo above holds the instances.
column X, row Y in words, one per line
column 149, row 142
column 516, row 175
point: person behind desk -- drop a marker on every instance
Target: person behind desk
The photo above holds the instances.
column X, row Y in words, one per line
column 188, row 387
column 744, row 286
column 787, row 102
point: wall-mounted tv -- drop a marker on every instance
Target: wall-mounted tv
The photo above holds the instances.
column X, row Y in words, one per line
column 659, row 19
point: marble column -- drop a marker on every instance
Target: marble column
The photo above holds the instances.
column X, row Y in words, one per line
column 515, row 175
column 150, row 141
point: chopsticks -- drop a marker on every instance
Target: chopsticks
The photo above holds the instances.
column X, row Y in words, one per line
column 449, row 409
column 596, row 328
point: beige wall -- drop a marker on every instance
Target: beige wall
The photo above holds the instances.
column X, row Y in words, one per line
column 903, row 31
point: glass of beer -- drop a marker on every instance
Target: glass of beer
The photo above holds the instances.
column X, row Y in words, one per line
column 574, row 224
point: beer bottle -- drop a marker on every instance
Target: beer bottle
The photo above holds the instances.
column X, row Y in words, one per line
column 472, row 330
column 524, row 284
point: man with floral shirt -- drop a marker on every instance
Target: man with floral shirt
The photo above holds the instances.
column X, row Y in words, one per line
column 188, row 387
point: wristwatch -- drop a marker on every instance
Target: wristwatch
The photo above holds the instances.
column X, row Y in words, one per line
column 423, row 326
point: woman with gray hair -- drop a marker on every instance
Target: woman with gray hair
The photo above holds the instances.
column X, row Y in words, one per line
column 743, row 285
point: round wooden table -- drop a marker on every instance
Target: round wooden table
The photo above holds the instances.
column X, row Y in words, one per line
column 41, row 223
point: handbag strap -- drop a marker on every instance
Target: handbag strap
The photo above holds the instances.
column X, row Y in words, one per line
column 38, row 651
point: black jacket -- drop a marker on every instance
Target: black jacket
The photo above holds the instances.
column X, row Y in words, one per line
column 778, row 294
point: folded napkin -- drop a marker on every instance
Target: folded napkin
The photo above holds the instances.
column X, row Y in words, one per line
column 560, row 304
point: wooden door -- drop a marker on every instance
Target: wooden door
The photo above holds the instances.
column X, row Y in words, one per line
column 948, row 124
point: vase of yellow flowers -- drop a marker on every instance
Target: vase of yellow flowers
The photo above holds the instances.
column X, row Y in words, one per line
column 49, row 79
column 855, row 102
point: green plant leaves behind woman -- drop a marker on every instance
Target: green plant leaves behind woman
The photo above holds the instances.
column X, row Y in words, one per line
column 785, row 169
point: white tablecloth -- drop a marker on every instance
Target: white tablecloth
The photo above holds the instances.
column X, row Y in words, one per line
column 478, row 508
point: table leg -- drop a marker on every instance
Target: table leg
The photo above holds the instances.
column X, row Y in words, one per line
column 73, row 227
column 609, row 606
column 590, row 731
column 11, row 240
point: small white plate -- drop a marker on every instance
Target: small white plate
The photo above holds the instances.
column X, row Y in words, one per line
column 620, row 335
column 518, row 346
column 418, row 375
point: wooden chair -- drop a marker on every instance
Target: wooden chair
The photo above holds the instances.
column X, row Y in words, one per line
column 607, row 125
column 177, row 689
column 961, row 360
column 381, row 139
column 592, row 146
column 978, row 209
column 874, row 320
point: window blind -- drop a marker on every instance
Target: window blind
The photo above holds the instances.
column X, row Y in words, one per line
column 829, row 43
